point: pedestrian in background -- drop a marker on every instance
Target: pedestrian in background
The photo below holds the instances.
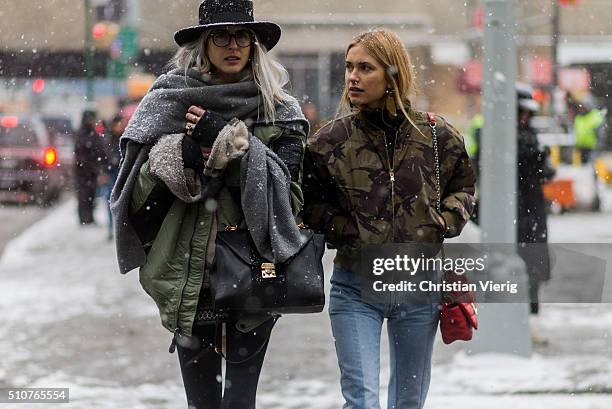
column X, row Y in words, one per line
column 311, row 112
column 587, row 124
column 533, row 171
column 113, row 155
column 223, row 97
column 370, row 179
column 90, row 161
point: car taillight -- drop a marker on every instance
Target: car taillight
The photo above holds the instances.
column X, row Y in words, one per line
column 49, row 157
column 9, row 121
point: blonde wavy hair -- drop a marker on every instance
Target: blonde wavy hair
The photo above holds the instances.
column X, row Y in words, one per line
column 388, row 49
column 269, row 75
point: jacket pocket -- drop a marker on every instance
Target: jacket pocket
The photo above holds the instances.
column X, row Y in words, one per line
column 437, row 221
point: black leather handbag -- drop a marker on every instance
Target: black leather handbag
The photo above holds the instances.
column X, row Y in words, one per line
column 243, row 283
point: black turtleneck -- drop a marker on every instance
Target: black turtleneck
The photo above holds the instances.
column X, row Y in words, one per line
column 382, row 120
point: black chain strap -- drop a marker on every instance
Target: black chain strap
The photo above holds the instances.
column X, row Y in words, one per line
column 434, row 132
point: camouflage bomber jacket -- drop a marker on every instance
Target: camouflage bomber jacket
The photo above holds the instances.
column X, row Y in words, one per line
column 357, row 193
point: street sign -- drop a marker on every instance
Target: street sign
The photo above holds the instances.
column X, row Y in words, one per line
column 130, row 48
column 470, row 80
column 541, row 70
column 574, row 79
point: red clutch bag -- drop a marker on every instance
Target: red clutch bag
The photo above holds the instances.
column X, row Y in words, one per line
column 458, row 321
column 458, row 313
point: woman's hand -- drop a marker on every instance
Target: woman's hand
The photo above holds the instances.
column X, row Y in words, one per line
column 193, row 116
column 204, row 127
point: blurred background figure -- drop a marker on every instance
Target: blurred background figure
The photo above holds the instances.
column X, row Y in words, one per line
column 311, row 112
column 90, row 162
column 533, row 172
column 587, row 125
column 476, row 124
column 113, row 155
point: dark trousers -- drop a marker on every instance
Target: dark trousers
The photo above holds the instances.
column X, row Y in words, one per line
column 202, row 376
column 86, row 194
column 586, row 155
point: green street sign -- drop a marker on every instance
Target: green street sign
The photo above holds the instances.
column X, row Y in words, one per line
column 128, row 38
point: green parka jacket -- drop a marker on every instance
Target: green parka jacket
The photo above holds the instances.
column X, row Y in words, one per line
column 177, row 239
column 357, row 192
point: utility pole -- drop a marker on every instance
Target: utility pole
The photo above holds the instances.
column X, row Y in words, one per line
column 129, row 34
column 554, row 86
column 132, row 13
column 89, row 51
column 503, row 327
column 556, row 31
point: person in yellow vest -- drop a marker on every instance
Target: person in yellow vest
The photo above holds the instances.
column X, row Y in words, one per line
column 476, row 124
column 587, row 122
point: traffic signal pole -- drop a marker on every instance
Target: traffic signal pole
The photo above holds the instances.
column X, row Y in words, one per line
column 89, row 51
column 129, row 34
column 132, row 16
column 556, row 16
column 503, row 327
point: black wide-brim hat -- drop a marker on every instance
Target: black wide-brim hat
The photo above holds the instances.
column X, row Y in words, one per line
column 215, row 13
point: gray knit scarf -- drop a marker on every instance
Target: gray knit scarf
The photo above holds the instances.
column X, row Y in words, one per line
column 162, row 112
column 265, row 183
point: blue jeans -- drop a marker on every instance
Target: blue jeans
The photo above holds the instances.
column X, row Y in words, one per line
column 106, row 191
column 356, row 326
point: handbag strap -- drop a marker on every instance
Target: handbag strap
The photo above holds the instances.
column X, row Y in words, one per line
column 219, row 349
column 434, row 132
column 217, row 345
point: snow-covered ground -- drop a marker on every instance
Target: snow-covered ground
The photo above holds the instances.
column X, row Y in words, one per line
column 69, row 319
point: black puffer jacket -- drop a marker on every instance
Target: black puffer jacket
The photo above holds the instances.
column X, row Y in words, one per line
column 90, row 155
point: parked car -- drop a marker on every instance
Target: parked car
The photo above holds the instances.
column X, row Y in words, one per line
column 62, row 136
column 30, row 170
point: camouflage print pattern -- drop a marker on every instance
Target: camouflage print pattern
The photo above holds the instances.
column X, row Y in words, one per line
column 350, row 195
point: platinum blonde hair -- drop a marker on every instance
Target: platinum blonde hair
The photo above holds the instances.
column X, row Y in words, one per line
column 269, row 75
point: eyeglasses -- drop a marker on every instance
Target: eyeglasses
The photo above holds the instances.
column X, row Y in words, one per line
column 223, row 38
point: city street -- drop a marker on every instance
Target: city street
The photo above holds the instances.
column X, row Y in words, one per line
column 400, row 120
column 71, row 320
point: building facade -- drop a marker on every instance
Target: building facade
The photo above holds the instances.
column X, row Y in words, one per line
column 443, row 36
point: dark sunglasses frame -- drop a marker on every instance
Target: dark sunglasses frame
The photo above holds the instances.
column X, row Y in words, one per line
column 215, row 39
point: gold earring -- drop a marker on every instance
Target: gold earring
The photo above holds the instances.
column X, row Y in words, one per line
column 390, row 103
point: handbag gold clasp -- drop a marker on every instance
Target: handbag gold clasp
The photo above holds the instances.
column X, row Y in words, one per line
column 231, row 228
column 268, row 270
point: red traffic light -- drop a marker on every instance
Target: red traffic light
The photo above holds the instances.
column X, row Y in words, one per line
column 38, row 85
column 103, row 33
column 99, row 30
column 568, row 2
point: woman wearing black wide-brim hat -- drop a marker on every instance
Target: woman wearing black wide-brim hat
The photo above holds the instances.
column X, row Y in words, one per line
column 181, row 182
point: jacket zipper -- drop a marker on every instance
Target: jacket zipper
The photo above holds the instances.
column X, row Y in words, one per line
column 184, row 283
column 391, row 164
